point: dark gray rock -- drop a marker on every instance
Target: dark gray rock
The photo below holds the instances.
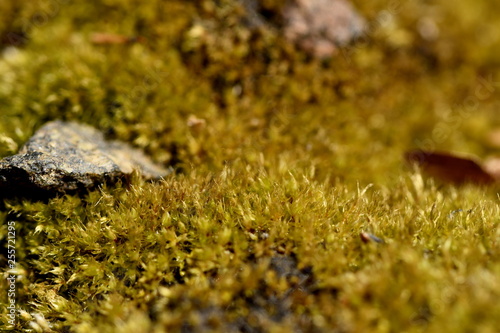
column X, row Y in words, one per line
column 320, row 27
column 67, row 156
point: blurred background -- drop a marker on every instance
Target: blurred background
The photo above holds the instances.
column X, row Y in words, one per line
column 200, row 84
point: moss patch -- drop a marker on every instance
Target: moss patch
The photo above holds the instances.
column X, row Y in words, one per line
column 259, row 229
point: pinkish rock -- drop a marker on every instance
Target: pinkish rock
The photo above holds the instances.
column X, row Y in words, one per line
column 320, row 27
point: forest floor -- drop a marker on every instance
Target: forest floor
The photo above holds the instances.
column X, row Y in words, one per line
column 291, row 207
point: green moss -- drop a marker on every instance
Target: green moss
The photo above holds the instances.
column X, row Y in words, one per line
column 295, row 159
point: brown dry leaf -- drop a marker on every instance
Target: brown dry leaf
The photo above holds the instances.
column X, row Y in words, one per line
column 108, row 38
column 451, row 168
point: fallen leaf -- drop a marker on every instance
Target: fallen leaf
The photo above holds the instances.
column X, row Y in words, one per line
column 450, row 167
column 13, row 38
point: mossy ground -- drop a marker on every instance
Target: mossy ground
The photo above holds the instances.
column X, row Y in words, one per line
column 297, row 157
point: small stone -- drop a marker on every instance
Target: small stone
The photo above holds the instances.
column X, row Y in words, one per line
column 67, row 156
column 367, row 238
column 320, row 27
column 196, row 124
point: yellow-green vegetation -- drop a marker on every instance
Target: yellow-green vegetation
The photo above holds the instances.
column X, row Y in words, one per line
column 281, row 161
